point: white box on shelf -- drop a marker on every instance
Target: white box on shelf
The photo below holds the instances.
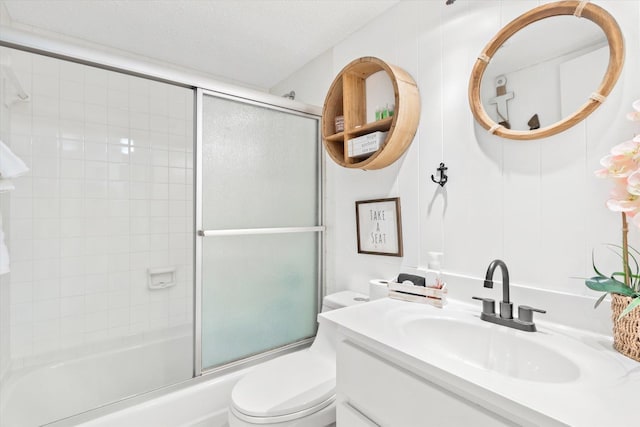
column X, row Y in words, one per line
column 366, row 144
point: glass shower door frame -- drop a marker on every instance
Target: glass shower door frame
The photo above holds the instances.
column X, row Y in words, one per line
column 42, row 45
column 200, row 233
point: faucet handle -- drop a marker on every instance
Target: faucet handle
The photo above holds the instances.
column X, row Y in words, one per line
column 488, row 305
column 525, row 313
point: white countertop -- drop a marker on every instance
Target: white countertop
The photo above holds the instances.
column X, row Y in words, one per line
column 603, row 391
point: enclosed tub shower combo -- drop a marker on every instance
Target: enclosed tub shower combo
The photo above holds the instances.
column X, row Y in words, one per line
column 140, row 241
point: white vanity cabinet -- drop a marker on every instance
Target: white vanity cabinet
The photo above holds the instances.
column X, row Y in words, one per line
column 372, row 391
column 350, row 416
column 392, row 375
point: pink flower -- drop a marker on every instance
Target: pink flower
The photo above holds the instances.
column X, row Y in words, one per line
column 623, row 166
column 629, row 206
column 628, row 148
column 617, row 166
column 633, row 183
column 621, row 200
column 635, row 115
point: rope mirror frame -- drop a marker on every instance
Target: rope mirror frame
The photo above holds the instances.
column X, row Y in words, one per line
column 580, row 9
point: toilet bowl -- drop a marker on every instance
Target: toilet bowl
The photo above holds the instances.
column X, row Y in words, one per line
column 297, row 389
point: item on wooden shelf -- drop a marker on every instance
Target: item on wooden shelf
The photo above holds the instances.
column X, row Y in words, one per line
column 339, row 124
column 366, row 144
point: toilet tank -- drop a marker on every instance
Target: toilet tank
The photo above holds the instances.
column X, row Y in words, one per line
column 342, row 299
column 325, row 343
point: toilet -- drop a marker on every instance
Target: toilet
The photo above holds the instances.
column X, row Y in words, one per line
column 297, row 389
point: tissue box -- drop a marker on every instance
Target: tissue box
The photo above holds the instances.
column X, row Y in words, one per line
column 366, row 144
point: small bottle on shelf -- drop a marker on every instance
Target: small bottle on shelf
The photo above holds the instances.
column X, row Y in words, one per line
column 379, row 112
column 388, row 111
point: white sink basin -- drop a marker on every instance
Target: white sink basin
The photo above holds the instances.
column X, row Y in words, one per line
column 491, row 347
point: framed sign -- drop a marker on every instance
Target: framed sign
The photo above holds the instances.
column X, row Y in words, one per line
column 379, row 227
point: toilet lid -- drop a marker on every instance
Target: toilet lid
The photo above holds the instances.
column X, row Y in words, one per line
column 291, row 383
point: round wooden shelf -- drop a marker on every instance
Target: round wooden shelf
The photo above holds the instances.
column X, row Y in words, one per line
column 347, row 97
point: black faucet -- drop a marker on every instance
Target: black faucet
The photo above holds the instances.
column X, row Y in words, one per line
column 506, row 307
column 524, row 322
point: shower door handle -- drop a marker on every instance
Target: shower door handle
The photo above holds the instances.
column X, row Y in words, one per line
column 249, row 231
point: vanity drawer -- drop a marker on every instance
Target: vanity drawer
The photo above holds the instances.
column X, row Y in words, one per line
column 392, row 396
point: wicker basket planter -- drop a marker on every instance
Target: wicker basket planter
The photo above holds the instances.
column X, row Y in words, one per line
column 626, row 331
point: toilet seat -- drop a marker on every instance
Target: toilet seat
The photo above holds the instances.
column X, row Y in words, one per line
column 282, row 418
column 284, row 389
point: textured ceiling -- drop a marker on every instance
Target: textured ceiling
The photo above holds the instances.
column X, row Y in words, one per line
column 256, row 42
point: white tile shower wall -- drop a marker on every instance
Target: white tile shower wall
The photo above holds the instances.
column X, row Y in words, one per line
column 109, row 195
column 5, row 304
column 535, row 204
column 5, row 332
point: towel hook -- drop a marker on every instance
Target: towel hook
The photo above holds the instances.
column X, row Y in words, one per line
column 442, row 169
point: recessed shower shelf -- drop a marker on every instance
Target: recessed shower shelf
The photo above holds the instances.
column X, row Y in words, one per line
column 161, row 278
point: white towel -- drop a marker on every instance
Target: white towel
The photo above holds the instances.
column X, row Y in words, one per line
column 11, row 165
column 4, row 256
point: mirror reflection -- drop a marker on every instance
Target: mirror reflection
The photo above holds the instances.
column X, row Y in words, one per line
column 545, row 72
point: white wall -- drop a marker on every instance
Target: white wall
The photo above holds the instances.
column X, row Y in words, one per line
column 534, row 204
column 311, row 82
column 109, row 195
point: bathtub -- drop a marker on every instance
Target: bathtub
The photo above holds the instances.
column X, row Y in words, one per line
column 38, row 395
column 203, row 404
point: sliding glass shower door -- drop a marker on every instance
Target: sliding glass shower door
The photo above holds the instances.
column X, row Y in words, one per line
column 103, row 214
column 260, row 228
